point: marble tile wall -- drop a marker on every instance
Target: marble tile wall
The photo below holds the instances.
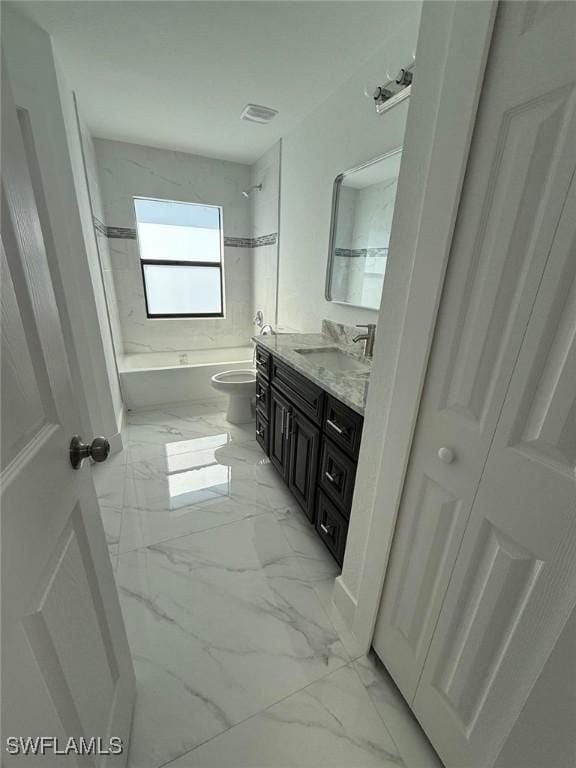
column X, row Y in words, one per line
column 128, row 170
column 364, row 224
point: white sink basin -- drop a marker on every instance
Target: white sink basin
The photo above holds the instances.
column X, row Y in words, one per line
column 334, row 359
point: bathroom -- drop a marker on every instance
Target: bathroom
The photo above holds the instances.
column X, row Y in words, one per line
column 164, row 359
column 258, row 353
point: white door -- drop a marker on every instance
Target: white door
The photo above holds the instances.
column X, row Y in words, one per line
column 514, row 582
column 66, row 665
column 519, row 171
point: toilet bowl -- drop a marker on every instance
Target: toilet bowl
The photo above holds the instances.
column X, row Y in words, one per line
column 240, row 386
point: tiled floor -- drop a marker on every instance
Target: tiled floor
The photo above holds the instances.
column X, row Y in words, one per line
column 241, row 661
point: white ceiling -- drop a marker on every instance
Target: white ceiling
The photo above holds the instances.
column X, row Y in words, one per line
column 177, row 74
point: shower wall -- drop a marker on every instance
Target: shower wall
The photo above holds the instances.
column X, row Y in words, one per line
column 264, row 230
column 129, row 170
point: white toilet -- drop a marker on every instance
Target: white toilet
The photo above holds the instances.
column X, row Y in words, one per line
column 240, row 386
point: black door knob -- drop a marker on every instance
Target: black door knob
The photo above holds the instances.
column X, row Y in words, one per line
column 98, row 450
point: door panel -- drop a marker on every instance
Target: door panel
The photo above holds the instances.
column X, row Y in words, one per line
column 514, row 582
column 304, row 441
column 66, row 664
column 520, row 167
column 279, row 443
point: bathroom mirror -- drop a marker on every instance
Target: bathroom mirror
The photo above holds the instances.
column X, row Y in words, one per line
column 362, row 207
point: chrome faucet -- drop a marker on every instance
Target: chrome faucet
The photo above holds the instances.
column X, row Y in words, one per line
column 368, row 337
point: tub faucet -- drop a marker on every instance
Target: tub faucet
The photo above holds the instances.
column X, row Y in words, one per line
column 368, row 337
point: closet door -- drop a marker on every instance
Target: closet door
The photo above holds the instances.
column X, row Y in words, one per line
column 516, row 183
column 514, row 582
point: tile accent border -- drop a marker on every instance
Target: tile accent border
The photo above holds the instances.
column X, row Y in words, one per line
column 129, row 233
column 354, row 253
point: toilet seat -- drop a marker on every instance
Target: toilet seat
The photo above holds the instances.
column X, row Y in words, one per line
column 235, row 377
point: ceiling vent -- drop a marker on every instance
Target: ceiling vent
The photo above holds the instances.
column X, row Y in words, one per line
column 256, row 113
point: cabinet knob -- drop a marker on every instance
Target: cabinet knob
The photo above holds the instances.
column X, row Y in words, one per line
column 446, row 455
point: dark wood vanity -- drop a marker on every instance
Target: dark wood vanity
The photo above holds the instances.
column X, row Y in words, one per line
column 313, row 440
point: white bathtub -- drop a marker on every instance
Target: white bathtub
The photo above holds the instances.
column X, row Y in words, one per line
column 155, row 378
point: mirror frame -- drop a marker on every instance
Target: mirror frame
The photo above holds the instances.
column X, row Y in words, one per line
column 333, row 223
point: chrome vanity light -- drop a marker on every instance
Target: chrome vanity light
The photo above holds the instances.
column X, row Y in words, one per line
column 393, row 91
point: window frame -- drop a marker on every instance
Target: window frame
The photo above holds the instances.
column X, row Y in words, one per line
column 179, row 263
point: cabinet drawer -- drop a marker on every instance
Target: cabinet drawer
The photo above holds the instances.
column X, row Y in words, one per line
column 262, row 432
column 331, row 527
column 343, row 426
column 303, row 393
column 263, row 358
column 262, row 395
column 337, row 475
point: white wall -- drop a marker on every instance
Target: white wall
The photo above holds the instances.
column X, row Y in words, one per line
column 340, row 134
column 264, row 221
column 40, row 88
column 128, row 170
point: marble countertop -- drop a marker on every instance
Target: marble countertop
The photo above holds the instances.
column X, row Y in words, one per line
column 348, row 387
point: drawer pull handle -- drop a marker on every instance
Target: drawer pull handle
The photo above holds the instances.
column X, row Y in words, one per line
column 260, row 432
column 259, row 396
column 336, row 427
column 330, row 478
column 327, row 529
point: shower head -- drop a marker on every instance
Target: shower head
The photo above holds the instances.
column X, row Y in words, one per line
column 248, row 192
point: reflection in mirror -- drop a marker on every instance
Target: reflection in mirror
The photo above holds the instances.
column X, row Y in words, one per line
column 362, row 209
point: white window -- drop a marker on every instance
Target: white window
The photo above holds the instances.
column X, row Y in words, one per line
column 181, row 256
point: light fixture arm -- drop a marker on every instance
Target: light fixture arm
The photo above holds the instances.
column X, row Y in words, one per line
column 393, row 90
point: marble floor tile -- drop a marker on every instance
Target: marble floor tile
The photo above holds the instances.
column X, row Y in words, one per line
column 416, row 750
column 184, row 492
column 221, row 624
column 331, row 723
column 241, row 658
column 320, row 568
column 306, row 544
column 271, row 487
column 109, row 481
column 153, row 433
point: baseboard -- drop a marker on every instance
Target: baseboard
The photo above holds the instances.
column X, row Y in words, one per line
column 344, row 601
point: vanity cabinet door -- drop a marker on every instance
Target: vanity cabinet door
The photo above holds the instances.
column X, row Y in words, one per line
column 262, row 432
column 304, row 446
column 279, row 436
